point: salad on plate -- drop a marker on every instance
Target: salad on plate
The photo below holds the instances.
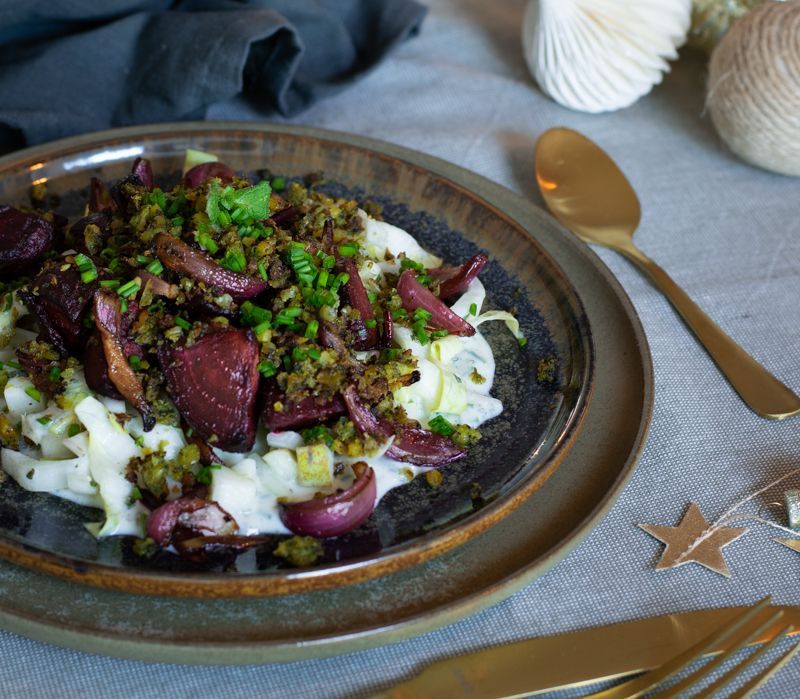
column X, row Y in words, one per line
column 226, row 359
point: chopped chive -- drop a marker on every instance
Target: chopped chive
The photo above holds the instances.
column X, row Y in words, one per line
column 299, row 354
column 207, row 243
column 129, row 289
column 136, row 494
column 73, row 429
column 522, row 342
column 473, row 309
column 46, row 420
column 314, row 353
column 390, row 354
column 311, row 329
column 54, row 374
column 110, row 283
column 370, row 322
column 328, row 262
column 287, row 362
column 411, row 264
column 13, row 365
column 34, row 393
column 420, row 314
column 183, row 323
column 261, row 328
column 438, row 334
column 419, row 332
column 86, row 268
column 372, row 296
column 139, row 441
column 278, row 184
column 322, row 279
column 177, row 221
column 135, row 361
column 143, row 259
column 123, row 306
column 262, row 270
column 348, row 250
column 234, row 260
column 441, row 426
column 114, row 264
column 155, row 267
column 267, row 369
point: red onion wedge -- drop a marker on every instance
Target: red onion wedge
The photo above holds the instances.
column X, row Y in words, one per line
column 144, row 171
column 190, row 517
column 100, row 200
column 414, row 296
column 158, row 286
column 195, row 176
column 184, row 259
column 411, row 444
column 455, row 281
column 108, row 319
column 356, row 295
column 336, row 514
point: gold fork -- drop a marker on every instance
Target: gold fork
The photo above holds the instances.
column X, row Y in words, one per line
column 744, row 624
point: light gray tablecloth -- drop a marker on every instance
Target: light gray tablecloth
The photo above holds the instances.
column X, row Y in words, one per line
column 729, row 234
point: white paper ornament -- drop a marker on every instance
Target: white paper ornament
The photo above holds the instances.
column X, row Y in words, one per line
column 601, row 55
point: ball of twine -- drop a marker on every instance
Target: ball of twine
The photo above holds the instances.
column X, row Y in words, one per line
column 754, row 87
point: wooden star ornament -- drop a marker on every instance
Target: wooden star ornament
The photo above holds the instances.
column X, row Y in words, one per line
column 694, row 540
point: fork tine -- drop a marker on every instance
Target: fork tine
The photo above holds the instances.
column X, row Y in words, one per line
column 749, row 660
column 747, row 689
column 638, row 686
column 705, row 670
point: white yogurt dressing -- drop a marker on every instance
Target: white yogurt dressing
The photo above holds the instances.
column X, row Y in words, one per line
column 456, row 376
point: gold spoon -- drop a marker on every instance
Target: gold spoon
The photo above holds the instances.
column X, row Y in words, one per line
column 588, row 193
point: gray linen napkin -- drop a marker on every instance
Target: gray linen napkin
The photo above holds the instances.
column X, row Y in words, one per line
column 73, row 66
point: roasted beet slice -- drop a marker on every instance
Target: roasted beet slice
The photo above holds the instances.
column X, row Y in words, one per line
column 214, row 383
column 24, row 239
column 39, row 363
column 60, row 301
column 455, row 281
column 195, row 176
column 356, row 296
column 309, row 411
column 109, row 321
column 184, row 259
column 95, row 368
column 97, row 235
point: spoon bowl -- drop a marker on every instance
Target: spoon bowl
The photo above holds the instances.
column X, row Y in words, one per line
column 586, row 191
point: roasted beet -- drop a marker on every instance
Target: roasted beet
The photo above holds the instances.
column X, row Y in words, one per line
column 116, row 350
column 24, row 239
column 97, row 236
column 60, row 302
column 309, row 411
column 184, row 259
column 214, row 383
column 195, row 176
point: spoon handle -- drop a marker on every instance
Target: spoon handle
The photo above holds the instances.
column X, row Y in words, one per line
column 762, row 392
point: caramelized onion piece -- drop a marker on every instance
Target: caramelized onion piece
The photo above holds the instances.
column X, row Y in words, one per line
column 144, row 171
column 184, row 259
column 189, row 517
column 95, row 368
column 335, row 514
column 195, row 176
column 456, row 281
column 356, row 295
column 411, row 444
column 24, row 239
column 108, row 319
column 414, row 296
column 214, row 383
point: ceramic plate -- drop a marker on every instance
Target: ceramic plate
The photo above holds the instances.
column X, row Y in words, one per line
column 490, row 566
column 519, row 450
